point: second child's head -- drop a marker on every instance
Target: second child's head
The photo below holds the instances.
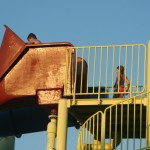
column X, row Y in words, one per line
column 120, row 69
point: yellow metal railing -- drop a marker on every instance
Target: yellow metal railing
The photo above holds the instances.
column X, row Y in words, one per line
column 94, row 69
column 145, row 148
column 124, row 125
column 121, row 126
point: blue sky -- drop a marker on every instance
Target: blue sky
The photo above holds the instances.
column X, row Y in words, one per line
column 83, row 23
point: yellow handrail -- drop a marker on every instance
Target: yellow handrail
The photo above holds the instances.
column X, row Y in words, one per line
column 116, row 123
column 95, row 66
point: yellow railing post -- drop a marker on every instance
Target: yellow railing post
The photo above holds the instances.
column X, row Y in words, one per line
column 103, row 132
column 148, row 103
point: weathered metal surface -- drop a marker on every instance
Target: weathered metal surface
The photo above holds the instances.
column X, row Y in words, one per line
column 39, row 68
column 31, row 75
column 30, row 68
column 49, row 96
column 11, row 47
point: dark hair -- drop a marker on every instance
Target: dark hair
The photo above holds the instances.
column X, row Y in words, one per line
column 31, row 35
column 121, row 68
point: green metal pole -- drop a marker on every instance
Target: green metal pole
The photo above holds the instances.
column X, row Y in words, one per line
column 7, row 143
column 62, row 125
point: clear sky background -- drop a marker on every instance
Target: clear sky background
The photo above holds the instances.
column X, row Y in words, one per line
column 81, row 22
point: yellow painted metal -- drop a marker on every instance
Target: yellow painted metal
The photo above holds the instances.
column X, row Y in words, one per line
column 96, row 146
column 51, row 133
column 103, row 129
column 148, row 103
column 102, row 62
column 62, row 125
column 7, row 143
column 145, row 148
column 124, row 117
column 123, row 120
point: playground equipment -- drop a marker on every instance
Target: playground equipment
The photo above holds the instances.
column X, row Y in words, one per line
column 51, row 86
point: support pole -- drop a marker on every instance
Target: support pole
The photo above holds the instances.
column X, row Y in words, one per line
column 62, row 125
column 148, row 103
column 51, row 130
column 7, row 143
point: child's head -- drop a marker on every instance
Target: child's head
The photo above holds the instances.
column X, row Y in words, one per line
column 121, row 68
column 31, row 37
